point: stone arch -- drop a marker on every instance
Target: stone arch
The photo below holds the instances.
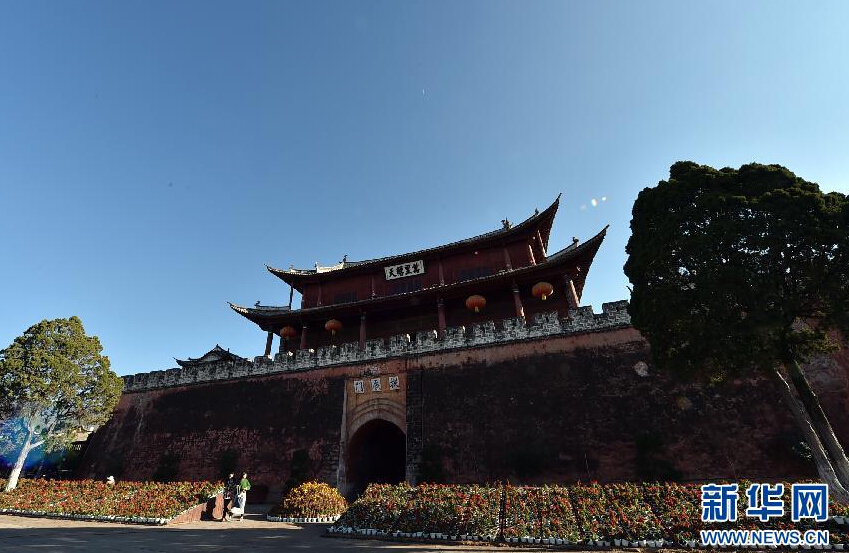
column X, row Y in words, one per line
column 378, row 408
column 376, row 453
column 373, row 444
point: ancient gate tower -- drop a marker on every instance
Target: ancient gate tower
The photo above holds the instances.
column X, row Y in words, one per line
column 471, row 361
column 364, row 303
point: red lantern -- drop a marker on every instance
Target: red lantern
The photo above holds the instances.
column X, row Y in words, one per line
column 288, row 332
column 333, row 325
column 542, row 290
column 476, row 302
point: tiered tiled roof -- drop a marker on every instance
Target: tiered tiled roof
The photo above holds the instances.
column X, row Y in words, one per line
column 541, row 220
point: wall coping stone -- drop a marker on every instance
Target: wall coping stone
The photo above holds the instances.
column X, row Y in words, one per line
column 613, row 315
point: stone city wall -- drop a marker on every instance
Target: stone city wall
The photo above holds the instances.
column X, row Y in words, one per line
column 551, row 402
column 613, row 315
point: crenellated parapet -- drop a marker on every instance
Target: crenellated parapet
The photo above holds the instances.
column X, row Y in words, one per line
column 582, row 320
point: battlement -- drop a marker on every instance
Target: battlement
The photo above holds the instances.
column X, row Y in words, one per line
column 613, row 315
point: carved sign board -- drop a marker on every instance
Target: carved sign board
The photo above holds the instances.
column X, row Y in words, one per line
column 376, row 384
column 403, row 270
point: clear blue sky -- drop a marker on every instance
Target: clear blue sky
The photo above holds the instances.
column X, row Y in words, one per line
column 154, row 155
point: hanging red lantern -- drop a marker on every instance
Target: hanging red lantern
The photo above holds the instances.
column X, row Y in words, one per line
column 288, row 332
column 542, row 290
column 333, row 325
column 476, row 302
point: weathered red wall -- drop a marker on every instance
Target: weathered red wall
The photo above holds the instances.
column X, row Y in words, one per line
column 559, row 409
column 264, row 420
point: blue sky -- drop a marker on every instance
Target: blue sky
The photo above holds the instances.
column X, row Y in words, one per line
column 155, row 155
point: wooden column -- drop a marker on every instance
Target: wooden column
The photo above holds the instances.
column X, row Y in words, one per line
column 318, row 303
column 441, row 274
column 373, row 292
column 282, row 349
column 268, row 343
column 304, row 336
column 571, row 294
column 531, row 254
column 507, row 259
column 520, row 309
column 363, row 331
column 440, row 309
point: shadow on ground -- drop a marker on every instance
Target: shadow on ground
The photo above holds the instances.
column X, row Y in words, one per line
column 253, row 534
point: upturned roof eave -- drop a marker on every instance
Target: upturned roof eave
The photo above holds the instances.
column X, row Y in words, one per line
column 565, row 255
column 192, row 361
column 544, row 220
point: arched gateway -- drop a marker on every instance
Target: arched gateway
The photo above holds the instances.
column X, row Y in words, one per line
column 376, row 454
column 374, row 442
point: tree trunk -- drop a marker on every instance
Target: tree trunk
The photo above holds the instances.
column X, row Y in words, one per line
column 12, row 483
column 824, row 467
column 821, row 424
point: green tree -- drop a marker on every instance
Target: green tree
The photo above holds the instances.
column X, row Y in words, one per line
column 743, row 271
column 54, row 382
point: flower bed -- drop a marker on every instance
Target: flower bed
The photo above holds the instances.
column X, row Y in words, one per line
column 451, row 510
column 310, row 502
column 429, row 510
column 653, row 514
column 138, row 502
column 540, row 512
column 378, row 508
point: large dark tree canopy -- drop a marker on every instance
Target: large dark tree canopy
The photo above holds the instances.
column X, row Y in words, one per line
column 726, row 263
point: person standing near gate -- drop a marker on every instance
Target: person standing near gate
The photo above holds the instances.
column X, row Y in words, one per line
column 229, row 493
column 242, row 497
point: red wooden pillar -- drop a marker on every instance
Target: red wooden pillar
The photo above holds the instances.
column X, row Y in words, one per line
column 363, row 331
column 304, row 336
column 440, row 309
column 441, row 274
column 268, row 343
column 520, row 309
column 571, row 294
column 531, row 254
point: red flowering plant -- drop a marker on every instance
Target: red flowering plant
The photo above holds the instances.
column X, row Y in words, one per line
column 631, row 512
column 478, row 516
column 591, row 510
column 457, row 510
column 378, row 508
column 678, row 509
column 428, row 510
column 124, row 499
column 630, row 516
column 540, row 512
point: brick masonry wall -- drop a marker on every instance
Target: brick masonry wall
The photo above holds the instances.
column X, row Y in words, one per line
column 554, row 401
column 262, row 421
column 586, row 414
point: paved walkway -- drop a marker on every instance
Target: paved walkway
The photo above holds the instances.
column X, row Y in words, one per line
column 252, row 534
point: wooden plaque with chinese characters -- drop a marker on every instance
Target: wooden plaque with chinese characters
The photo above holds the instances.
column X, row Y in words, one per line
column 403, row 270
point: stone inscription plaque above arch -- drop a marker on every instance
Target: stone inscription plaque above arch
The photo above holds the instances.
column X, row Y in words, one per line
column 368, row 398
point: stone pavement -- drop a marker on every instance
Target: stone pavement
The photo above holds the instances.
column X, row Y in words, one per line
column 252, row 534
